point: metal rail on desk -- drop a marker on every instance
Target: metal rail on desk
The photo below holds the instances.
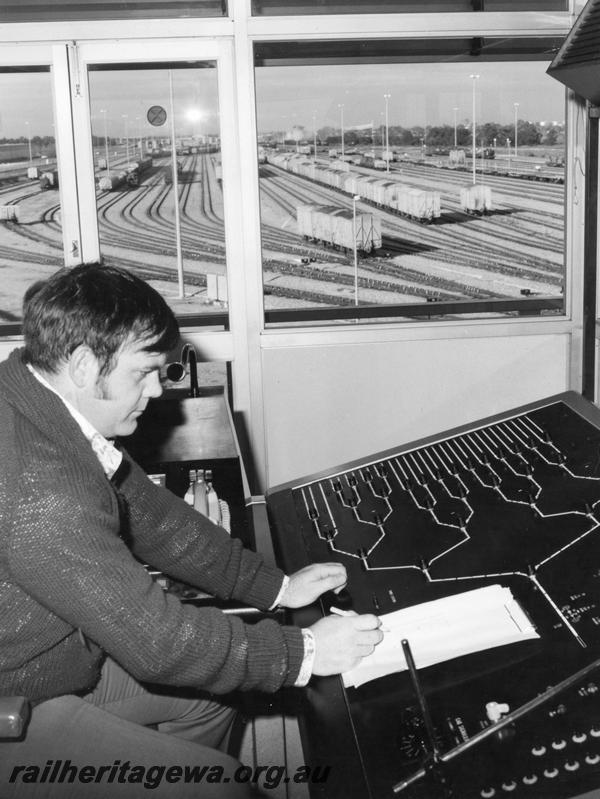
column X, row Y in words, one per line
column 505, row 721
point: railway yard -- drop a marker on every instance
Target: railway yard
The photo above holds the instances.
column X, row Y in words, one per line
column 514, row 248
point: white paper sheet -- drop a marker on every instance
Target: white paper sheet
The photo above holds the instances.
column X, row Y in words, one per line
column 443, row 629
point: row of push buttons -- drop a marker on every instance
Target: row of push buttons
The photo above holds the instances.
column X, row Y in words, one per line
column 561, row 743
column 549, row 773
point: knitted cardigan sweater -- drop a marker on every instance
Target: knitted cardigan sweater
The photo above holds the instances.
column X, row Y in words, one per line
column 72, row 590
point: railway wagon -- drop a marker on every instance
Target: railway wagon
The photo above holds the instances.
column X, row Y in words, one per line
column 457, row 158
column 364, row 186
column 377, row 190
column 385, row 191
column 328, row 177
column 340, row 166
column 49, row 180
column 112, row 180
column 279, row 159
column 348, row 183
column 416, row 204
column 476, row 200
column 130, row 175
column 168, row 172
column 422, row 206
column 338, row 227
column 136, row 169
column 9, row 213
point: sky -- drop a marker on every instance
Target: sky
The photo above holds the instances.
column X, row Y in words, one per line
column 420, row 94
column 309, row 97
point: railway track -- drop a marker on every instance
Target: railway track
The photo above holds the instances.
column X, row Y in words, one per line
column 496, row 251
column 512, row 243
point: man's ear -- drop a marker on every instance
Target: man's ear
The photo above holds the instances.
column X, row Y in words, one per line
column 83, row 366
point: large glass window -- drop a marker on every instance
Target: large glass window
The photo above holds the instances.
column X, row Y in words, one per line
column 30, row 214
column 387, row 183
column 295, row 7
column 63, row 10
column 157, row 162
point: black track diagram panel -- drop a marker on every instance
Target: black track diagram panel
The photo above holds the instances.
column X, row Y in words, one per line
column 513, row 500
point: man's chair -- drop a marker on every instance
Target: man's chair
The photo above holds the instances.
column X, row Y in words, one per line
column 14, row 715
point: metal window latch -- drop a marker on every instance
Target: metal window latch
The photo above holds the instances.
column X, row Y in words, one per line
column 73, row 54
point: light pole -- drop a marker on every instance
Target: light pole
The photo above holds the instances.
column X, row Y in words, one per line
column 295, row 131
column 126, row 118
column 103, row 111
column 516, row 122
column 455, row 109
column 139, row 136
column 341, row 107
column 29, row 142
column 314, row 137
column 508, row 152
column 355, row 199
column 386, row 97
column 178, row 247
column 474, row 78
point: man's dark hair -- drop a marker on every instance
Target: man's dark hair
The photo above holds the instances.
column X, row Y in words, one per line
column 100, row 306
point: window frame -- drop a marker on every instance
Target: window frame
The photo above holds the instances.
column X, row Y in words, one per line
column 240, row 35
column 49, row 55
column 526, row 25
column 248, row 344
column 163, row 51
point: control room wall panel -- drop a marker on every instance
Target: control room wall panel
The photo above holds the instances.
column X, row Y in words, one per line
column 332, row 404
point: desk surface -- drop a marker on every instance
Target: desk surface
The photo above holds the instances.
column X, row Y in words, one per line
column 184, row 429
column 513, row 500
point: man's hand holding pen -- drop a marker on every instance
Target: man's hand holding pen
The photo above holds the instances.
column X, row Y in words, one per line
column 342, row 639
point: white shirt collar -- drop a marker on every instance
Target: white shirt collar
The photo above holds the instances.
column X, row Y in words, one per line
column 109, row 456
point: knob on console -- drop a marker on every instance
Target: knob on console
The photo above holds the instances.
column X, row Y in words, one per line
column 495, row 710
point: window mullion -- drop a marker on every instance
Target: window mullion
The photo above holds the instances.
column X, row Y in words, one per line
column 65, row 153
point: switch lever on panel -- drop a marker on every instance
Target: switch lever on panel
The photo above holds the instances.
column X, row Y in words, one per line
column 495, row 710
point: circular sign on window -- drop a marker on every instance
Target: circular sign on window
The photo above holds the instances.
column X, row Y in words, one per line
column 156, row 115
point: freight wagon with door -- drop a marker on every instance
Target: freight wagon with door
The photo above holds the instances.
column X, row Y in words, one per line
column 339, row 228
column 49, row 180
column 418, row 205
column 476, row 200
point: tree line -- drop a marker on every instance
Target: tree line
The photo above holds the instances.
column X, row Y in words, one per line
column 443, row 136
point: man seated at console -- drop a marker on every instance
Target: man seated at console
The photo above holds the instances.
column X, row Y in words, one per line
column 124, row 678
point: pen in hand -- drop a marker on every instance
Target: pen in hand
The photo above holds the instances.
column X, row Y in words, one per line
column 338, row 612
